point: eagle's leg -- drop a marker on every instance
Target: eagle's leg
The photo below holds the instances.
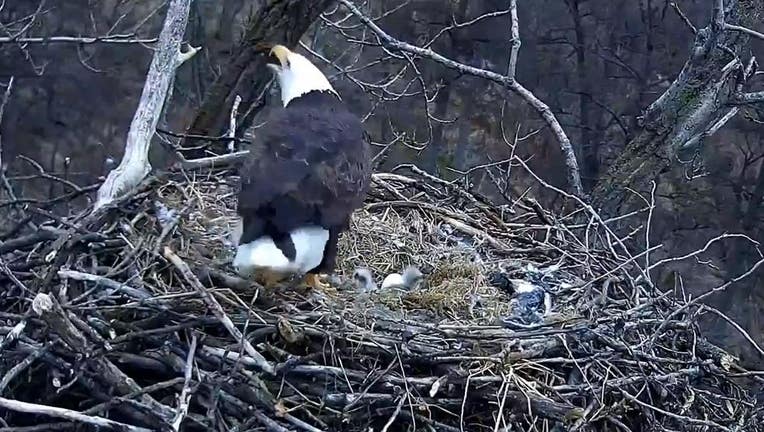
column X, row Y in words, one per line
column 313, row 281
column 328, row 262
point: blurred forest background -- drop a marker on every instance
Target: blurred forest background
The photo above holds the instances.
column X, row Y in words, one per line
column 597, row 64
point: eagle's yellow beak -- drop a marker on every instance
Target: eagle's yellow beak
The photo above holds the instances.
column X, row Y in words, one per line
column 282, row 53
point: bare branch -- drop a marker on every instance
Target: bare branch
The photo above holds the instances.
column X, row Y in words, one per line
column 30, row 408
column 692, row 142
column 506, row 81
column 748, row 98
column 185, row 396
column 684, row 18
column 213, row 304
column 135, row 163
column 745, row 30
column 84, row 40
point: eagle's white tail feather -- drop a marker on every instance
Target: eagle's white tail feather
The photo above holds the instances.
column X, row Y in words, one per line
column 309, row 243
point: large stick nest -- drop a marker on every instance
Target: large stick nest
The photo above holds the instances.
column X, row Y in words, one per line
column 132, row 318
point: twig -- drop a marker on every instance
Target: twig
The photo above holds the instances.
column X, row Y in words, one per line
column 113, row 285
column 185, row 395
column 684, row 18
column 401, row 401
column 215, row 161
column 737, row 327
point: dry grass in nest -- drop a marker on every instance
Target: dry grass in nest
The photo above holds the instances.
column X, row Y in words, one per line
column 208, row 215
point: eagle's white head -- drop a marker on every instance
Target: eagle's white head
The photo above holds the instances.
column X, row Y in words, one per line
column 296, row 74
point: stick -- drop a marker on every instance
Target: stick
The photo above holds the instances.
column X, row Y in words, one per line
column 213, row 304
column 232, row 126
column 108, row 283
column 185, row 394
column 30, row 408
column 13, row 334
column 20, row 367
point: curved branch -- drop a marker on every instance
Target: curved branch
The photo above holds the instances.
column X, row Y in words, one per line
column 507, row 81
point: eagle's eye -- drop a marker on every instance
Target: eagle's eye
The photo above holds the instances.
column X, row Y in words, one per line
column 274, row 59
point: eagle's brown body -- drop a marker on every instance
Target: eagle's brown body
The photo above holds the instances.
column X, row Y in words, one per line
column 310, row 166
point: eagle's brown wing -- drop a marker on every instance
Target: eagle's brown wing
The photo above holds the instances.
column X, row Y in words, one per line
column 311, row 167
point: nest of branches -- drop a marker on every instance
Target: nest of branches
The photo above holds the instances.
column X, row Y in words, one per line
column 130, row 318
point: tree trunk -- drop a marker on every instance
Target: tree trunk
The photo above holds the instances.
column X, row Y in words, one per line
column 277, row 21
column 674, row 125
column 589, row 144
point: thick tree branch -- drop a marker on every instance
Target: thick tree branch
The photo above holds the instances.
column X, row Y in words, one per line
column 75, row 416
column 168, row 57
column 507, row 81
column 695, row 105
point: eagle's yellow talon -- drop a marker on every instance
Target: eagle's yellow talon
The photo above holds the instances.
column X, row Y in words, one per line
column 313, row 281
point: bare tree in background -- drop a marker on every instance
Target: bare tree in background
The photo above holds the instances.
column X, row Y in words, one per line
column 707, row 93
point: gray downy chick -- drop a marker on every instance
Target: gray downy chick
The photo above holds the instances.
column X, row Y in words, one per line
column 409, row 280
column 363, row 280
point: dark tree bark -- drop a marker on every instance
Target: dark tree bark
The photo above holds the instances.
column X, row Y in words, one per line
column 277, row 21
column 675, row 124
column 589, row 145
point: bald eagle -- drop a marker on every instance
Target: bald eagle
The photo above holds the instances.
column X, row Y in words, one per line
column 309, row 169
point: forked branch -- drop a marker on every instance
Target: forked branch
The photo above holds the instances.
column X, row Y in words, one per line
column 135, row 165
